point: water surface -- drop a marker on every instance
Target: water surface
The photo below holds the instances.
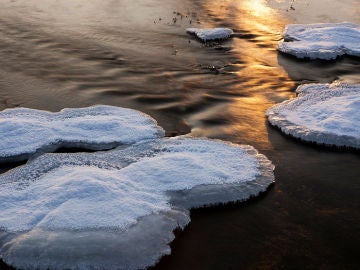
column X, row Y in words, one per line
column 57, row 54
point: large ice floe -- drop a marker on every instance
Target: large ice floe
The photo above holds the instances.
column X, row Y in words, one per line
column 321, row 41
column 208, row 34
column 118, row 209
column 24, row 132
column 322, row 113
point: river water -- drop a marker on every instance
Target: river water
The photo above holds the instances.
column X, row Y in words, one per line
column 57, row 54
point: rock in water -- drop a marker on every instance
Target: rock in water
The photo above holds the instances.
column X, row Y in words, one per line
column 24, row 132
column 118, row 209
column 323, row 113
column 208, row 34
column 321, row 41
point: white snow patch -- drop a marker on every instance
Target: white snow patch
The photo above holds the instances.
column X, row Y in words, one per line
column 118, row 209
column 321, row 41
column 207, row 34
column 322, row 113
column 24, row 132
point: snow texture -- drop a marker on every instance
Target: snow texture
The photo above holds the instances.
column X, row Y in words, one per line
column 117, row 209
column 322, row 113
column 321, row 41
column 24, row 132
column 208, row 34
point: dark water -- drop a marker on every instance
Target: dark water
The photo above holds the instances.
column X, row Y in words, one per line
column 57, row 54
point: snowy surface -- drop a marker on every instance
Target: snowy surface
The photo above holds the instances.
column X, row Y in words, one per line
column 26, row 131
column 118, row 209
column 321, row 41
column 322, row 113
column 207, row 34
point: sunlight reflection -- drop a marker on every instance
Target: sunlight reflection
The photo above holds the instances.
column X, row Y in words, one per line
column 261, row 82
column 258, row 8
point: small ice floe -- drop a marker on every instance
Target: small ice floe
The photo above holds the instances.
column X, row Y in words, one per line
column 321, row 41
column 208, row 34
column 118, row 209
column 322, row 113
column 24, row 132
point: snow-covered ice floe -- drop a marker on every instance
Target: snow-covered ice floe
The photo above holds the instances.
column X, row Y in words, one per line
column 321, row 41
column 208, row 34
column 118, row 209
column 322, row 113
column 24, row 132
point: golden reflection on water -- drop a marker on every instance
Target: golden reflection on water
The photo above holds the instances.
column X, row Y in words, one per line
column 266, row 19
column 257, row 7
column 104, row 52
column 261, row 81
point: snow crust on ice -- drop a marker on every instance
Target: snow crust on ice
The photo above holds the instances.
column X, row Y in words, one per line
column 24, row 132
column 321, row 41
column 207, row 34
column 118, row 209
column 323, row 113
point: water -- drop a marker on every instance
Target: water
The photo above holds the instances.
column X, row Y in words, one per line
column 56, row 54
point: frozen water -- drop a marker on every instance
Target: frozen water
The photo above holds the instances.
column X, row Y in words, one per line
column 118, row 209
column 67, row 187
column 114, row 209
column 207, row 34
column 322, row 113
column 321, row 41
column 24, row 132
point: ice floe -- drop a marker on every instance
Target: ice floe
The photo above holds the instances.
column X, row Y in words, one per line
column 321, row 41
column 323, row 113
column 208, row 34
column 26, row 131
column 118, row 209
